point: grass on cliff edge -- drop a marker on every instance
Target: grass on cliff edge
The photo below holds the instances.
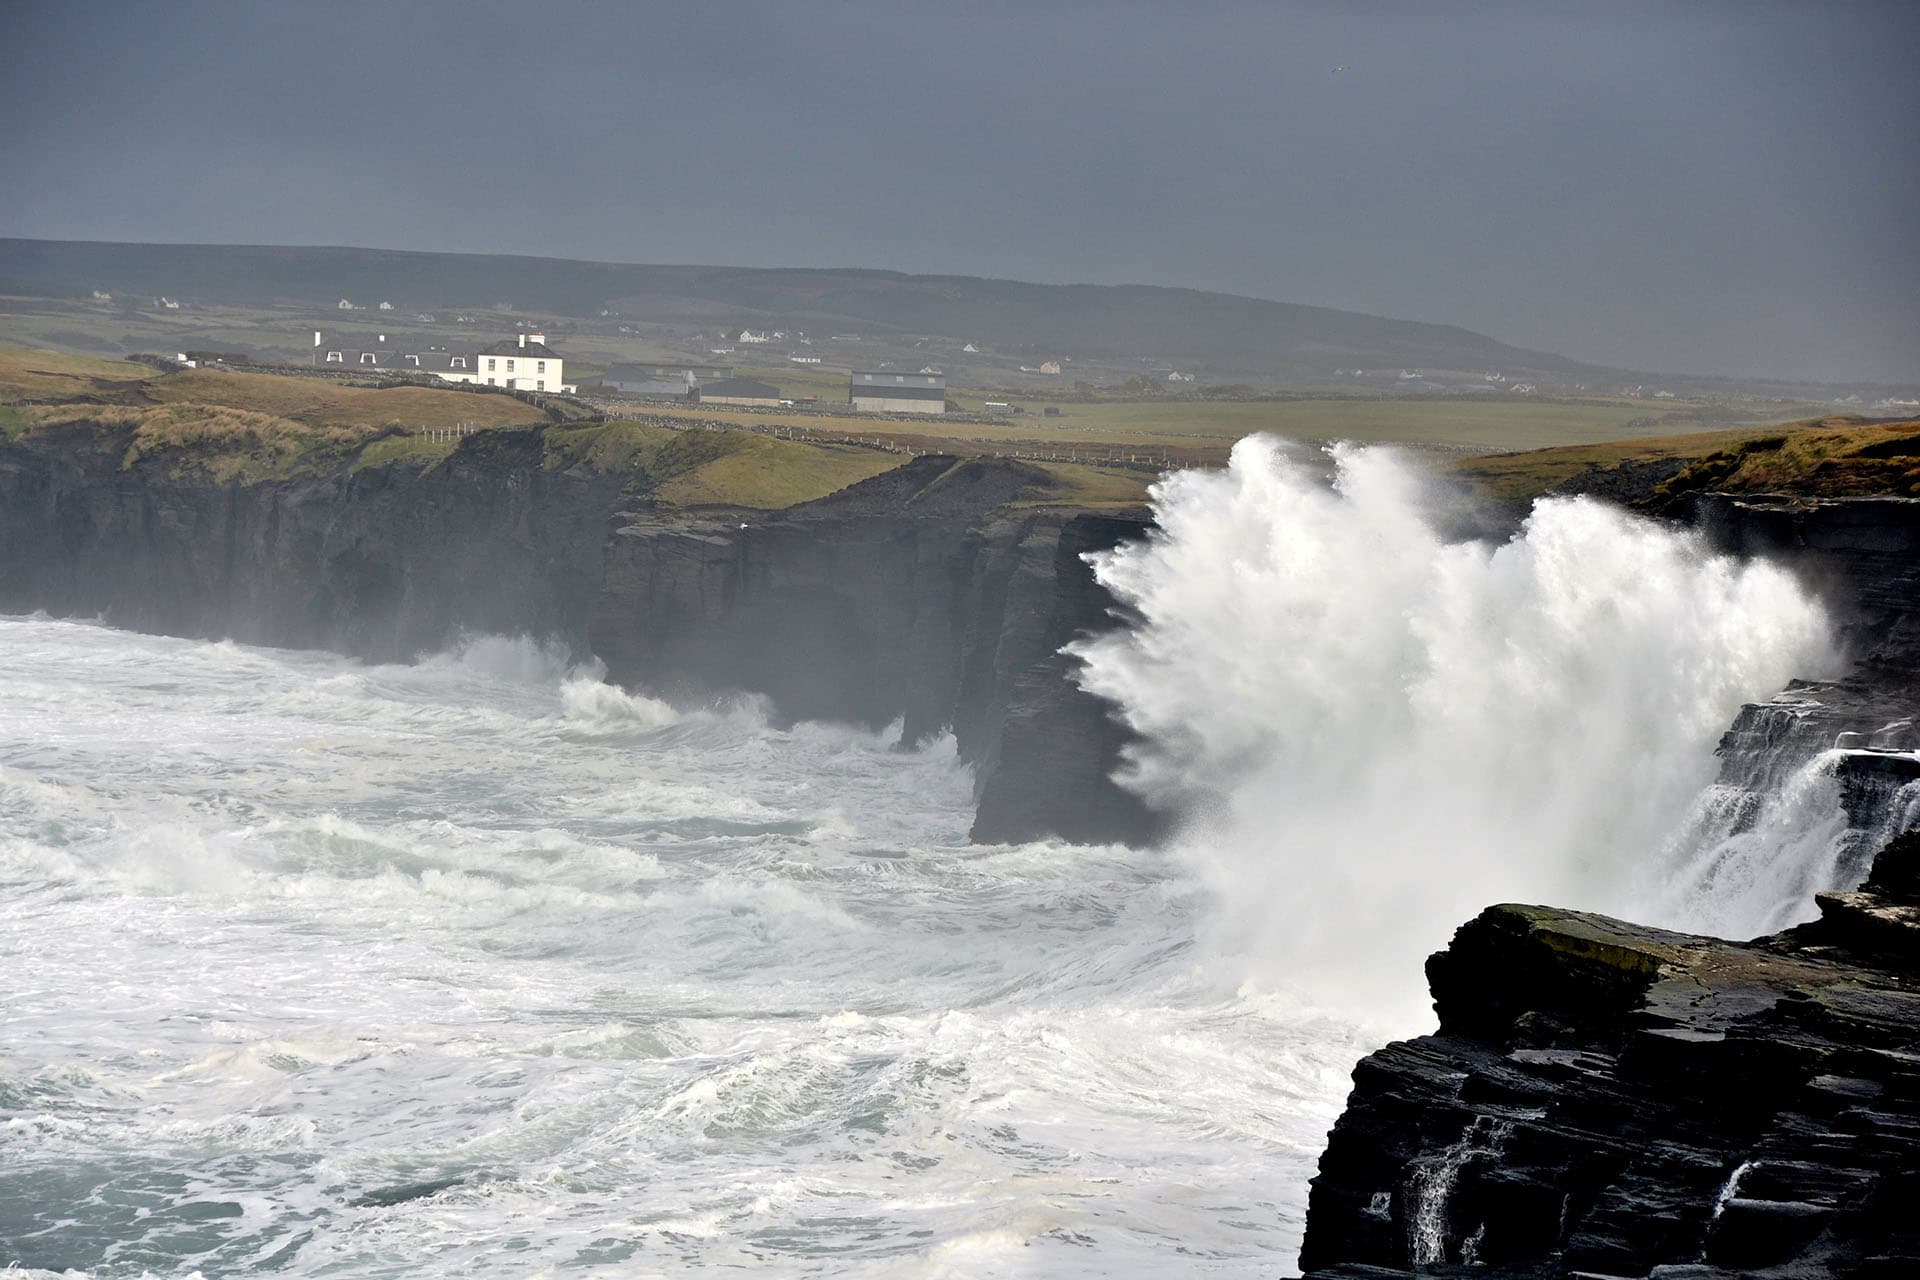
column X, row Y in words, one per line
column 318, row 402
column 702, row 468
column 53, row 377
column 230, row 426
column 1818, row 457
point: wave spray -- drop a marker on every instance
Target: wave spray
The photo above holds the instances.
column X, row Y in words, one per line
column 1373, row 732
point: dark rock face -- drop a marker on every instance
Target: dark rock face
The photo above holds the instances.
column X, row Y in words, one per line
column 381, row 563
column 1606, row 1099
column 925, row 594
column 1861, row 554
column 893, row 600
column 1862, row 557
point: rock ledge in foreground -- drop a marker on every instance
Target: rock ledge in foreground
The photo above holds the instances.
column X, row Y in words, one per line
column 1609, row 1100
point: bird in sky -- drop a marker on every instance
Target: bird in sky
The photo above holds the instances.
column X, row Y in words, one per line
column 1340, row 68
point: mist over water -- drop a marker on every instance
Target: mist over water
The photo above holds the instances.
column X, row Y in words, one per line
column 1378, row 732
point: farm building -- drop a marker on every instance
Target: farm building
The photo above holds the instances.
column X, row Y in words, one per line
column 661, row 379
column 737, row 391
column 898, row 392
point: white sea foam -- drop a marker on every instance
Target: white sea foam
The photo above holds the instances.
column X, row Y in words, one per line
column 480, row 965
column 1378, row 731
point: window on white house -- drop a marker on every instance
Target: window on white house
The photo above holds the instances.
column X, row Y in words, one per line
column 540, row 385
column 334, row 357
column 367, row 357
column 542, row 368
column 489, row 381
column 459, row 362
column 491, row 365
column 509, row 366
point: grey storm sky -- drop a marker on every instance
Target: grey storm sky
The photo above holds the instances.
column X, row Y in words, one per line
column 1714, row 187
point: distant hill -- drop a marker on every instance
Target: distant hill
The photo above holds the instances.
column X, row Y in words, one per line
column 1116, row 320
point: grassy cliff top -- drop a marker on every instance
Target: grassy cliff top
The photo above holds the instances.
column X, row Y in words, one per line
column 1819, row 457
column 240, row 427
column 233, row 427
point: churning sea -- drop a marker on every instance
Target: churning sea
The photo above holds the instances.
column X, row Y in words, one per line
column 480, row 966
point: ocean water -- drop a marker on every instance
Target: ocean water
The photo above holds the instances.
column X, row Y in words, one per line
column 481, row 966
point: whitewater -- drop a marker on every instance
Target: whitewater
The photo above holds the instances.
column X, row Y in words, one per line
column 481, row 965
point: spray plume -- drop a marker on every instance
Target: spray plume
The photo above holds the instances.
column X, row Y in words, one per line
column 1375, row 732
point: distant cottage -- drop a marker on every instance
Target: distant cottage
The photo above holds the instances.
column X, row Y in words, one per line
column 877, row 392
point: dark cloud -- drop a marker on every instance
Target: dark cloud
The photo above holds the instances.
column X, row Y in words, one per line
column 1723, row 187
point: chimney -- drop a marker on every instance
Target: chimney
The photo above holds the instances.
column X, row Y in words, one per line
column 316, row 337
column 383, row 339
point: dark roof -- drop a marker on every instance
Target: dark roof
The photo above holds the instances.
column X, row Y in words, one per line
column 383, row 357
column 881, row 378
column 740, row 389
column 654, row 372
column 443, row 361
column 512, row 347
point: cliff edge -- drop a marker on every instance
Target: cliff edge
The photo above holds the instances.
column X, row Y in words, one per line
column 1605, row 1099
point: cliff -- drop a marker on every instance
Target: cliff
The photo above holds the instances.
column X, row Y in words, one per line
column 1604, row 1099
column 937, row 593
column 928, row 594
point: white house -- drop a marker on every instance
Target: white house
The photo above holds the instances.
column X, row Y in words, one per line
column 753, row 336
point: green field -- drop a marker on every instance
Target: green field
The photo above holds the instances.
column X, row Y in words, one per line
column 1204, row 430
